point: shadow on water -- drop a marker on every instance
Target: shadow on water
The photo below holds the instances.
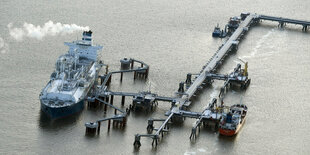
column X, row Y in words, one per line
column 209, row 130
column 227, row 142
column 227, row 138
column 142, row 113
column 136, row 150
column 45, row 122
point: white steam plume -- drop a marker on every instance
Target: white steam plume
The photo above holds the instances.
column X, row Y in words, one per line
column 48, row 29
column 4, row 47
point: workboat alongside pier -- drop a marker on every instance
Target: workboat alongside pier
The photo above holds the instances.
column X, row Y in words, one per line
column 74, row 75
column 217, row 31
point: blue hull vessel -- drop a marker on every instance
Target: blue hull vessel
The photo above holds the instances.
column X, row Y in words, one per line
column 59, row 112
column 73, row 77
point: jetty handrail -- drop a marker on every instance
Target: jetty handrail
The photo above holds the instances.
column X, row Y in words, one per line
column 107, row 77
column 122, row 93
column 109, row 105
column 120, row 116
column 164, row 124
column 286, row 20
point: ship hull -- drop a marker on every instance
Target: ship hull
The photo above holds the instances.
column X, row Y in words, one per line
column 227, row 132
column 60, row 112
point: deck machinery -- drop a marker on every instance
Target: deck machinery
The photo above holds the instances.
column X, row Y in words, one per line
column 144, row 101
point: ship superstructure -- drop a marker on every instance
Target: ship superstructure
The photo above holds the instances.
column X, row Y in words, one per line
column 75, row 73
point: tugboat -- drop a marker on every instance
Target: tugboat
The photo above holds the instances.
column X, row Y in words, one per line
column 233, row 120
column 217, row 31
column 73, row 77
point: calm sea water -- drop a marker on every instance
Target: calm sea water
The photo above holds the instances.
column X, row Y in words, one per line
column 174, row 38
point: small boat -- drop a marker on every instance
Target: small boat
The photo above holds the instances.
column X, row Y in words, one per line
column 233, row 120
column 217, row 31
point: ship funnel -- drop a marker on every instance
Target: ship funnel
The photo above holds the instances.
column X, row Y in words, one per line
column 87, row 36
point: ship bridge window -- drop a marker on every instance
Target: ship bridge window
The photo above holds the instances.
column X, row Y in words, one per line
column 87, row 33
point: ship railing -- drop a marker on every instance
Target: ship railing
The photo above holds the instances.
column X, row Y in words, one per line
column 45, row 88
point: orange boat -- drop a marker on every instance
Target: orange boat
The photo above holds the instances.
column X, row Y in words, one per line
column 232, row 121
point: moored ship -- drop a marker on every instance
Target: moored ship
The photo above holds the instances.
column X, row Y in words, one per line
column 233, row 120
column 74, row 75
column 217, row 31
